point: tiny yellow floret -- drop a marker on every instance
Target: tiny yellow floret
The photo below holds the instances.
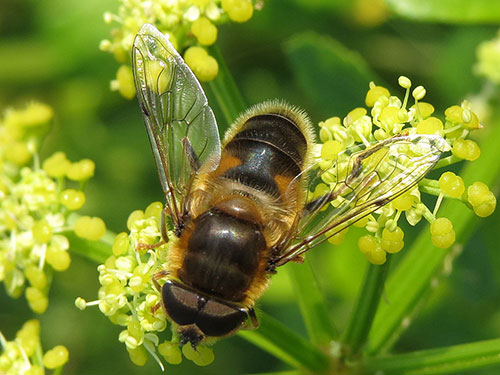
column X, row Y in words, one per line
column 392, row 241
column 138, row 355
column 202, row 356
column 451, row 185
column 419, row 92
column 404, row 82
column 92, row 228
column 331, row 149
column 466, row 149
column 403, row 202
column 81, row 170
column 56, row 357
column 42, row 231
column 17, row 153
column 37, row 301
column 238, row 10
column 36, row 276
column 56, row 165
column 72, row 199
column 425, row 109
column 431, row 125
column 120, row 244
column 125, row 82
column 374, row 93
column 442, row 233
column 60, row 260
column 454, row 114
column 205, row 31
column 204, row 66
column 171, row 352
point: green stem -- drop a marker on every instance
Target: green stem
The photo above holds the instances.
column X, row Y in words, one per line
column 429, row 186
column 312, row 304
column 97, row 251
column 447, row 161
column 450, row 359
column 276, row 338
column 365, row 307
column 224, row 89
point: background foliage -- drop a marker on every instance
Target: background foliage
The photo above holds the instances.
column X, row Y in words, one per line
column 316, row 54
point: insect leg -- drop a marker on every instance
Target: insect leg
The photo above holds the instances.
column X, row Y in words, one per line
column 253, row 318
column 157, row 276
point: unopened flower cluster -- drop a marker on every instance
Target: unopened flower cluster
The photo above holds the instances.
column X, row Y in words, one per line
column 24, row 354
column 190, row 25
column 35, row 205
column 128, row 298
column 389, row 116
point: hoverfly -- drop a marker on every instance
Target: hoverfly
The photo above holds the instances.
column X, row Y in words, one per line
column 241, row 209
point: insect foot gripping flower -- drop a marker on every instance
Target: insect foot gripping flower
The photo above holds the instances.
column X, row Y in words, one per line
column 382, row 155
column 24, row 355
column 191, row 26
column 128, row 297
column 34, row 205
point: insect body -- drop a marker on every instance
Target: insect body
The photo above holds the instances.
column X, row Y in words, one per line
column 243, row 209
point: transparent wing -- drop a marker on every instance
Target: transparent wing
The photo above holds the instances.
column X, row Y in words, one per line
column 181, row 126
column 361, row 180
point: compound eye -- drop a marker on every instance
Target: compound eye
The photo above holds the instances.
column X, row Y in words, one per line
column 218, row 319
column 181, row 304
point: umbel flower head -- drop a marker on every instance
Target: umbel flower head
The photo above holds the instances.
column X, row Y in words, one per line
column 24, row 354
column 191, row 26
column 35, row 204
column 128, row 298
column 389, row 116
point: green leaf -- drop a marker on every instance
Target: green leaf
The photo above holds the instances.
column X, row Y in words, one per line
column 333, row 77
column 411, row 281
column 365, row 307
column 283, row 343
column 450, row 11
column 437, row 361
column 312, row 305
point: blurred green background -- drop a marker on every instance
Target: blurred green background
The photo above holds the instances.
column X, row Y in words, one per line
column 315, row 54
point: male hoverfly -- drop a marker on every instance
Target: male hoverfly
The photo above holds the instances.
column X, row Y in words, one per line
column 241, row 209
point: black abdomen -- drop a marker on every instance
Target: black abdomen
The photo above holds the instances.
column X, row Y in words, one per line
column 267, row 145
column 222, row 255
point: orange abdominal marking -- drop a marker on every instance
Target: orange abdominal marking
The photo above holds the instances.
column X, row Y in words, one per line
column 227, row 162
column 283, row 182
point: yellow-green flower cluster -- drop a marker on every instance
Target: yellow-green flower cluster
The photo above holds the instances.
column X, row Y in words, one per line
column 191, row 26
column 390, row 116
column 488, row 55
column 34, row 205
column 24, row 355
column 128, row 298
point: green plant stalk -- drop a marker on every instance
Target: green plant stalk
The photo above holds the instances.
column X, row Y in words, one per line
column 365, row 307
column 411, row 280
column 277, row 339
column 312, row 305
column 97, row 251
column 437, row 361
column 225, row 91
